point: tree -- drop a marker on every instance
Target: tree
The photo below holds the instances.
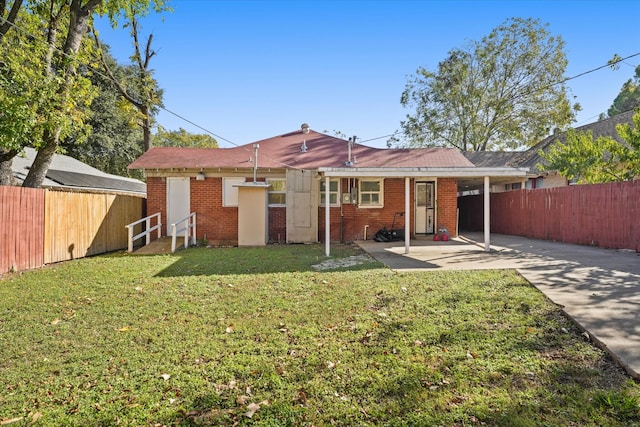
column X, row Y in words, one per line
column 24, row 91
column 147, row 97
column 505, row 91
column 182, row 138
column 62, row 109
column 601, row 160
column 114, row 142
column 629, row 96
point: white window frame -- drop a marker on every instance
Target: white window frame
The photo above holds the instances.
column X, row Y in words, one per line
column 284, row 181
column 230, row 191
column 337, row 192
column 380, row 203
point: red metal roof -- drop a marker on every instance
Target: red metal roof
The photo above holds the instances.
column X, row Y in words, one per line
column 284, row 151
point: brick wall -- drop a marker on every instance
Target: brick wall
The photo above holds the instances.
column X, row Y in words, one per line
column 157, row 200
column 349, row 221
column 219, row 225
column 447, row 194
column 277, row 224
column 216, row 223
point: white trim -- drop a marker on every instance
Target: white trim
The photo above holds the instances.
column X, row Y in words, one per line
column 337, row 193
column 270, row 191
column 380, row 192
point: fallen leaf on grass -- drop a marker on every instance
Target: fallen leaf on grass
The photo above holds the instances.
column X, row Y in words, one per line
column 55, row 321
column 253, row 407
column 301, row 398
column 10, row 421
column 124, row 329
column 165, row 376
column 230, row 329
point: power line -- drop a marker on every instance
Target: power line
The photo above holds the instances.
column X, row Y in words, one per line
column 17, row 27
column 100, row 73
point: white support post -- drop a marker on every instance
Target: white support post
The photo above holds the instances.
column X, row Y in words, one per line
column 148, row 236
column 327, row 227
column 130, row 245
column 194, row 239
column 487, row 213
column 407, row 222
column 159, row 225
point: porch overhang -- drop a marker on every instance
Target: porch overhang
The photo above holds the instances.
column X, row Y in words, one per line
column 458, row 172
column 483, row 175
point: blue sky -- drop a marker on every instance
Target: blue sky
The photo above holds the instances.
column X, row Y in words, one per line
column 249, row 70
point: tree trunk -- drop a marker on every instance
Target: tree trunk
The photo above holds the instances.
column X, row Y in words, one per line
column 146, row 127
column 38, row 171
column 78, row 24
column 6, row 163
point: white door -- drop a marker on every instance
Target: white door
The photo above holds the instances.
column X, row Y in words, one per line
column 424, row 207
column 178, row 200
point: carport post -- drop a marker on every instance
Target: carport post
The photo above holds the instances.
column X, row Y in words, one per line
column 407, row 206
column 487, row 222
column 327, row 231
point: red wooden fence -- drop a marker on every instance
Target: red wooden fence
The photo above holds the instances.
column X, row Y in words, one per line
column 39, row 227
column 604, row 215
column 21, row 228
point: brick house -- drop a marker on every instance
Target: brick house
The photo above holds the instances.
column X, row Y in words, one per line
column 275, row 190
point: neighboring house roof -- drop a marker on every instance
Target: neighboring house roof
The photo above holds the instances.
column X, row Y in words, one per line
column 607, row 127
column 67, row 172
column 492, row 159
column 286, row 151
column 531, row 157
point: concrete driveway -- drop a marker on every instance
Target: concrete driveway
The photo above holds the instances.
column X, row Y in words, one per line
column 598, row 288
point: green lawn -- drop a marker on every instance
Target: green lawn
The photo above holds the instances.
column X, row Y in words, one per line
column 259, row 337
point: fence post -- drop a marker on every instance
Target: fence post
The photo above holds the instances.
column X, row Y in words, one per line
column 159, row 225
column 148, row 236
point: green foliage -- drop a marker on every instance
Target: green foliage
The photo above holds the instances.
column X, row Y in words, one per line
column 603, row 159
column 502, row 92
column 196, row 337
column 45, row 90
column 114, row 142
column 182, row 138
column 629, row 96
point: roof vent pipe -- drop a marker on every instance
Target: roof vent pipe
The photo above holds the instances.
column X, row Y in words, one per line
column 352, row 141
column 303, row 147
column 305, row 128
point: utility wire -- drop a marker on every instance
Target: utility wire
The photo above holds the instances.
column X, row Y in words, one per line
column 100, row 73
column 17, row 27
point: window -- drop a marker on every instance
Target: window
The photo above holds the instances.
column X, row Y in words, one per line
column 277, row 192
column 370, row 193
column 334, row 192
column 230, row 191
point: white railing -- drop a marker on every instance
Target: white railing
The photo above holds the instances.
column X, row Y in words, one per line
column 190, row 224
column 147, row 232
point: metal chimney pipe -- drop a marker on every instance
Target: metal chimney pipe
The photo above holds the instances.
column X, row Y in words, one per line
column 255, row 162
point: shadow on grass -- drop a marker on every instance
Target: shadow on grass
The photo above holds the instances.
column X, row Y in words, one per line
column 263, row 260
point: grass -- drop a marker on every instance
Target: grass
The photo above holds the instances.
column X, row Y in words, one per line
column 259, row 337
